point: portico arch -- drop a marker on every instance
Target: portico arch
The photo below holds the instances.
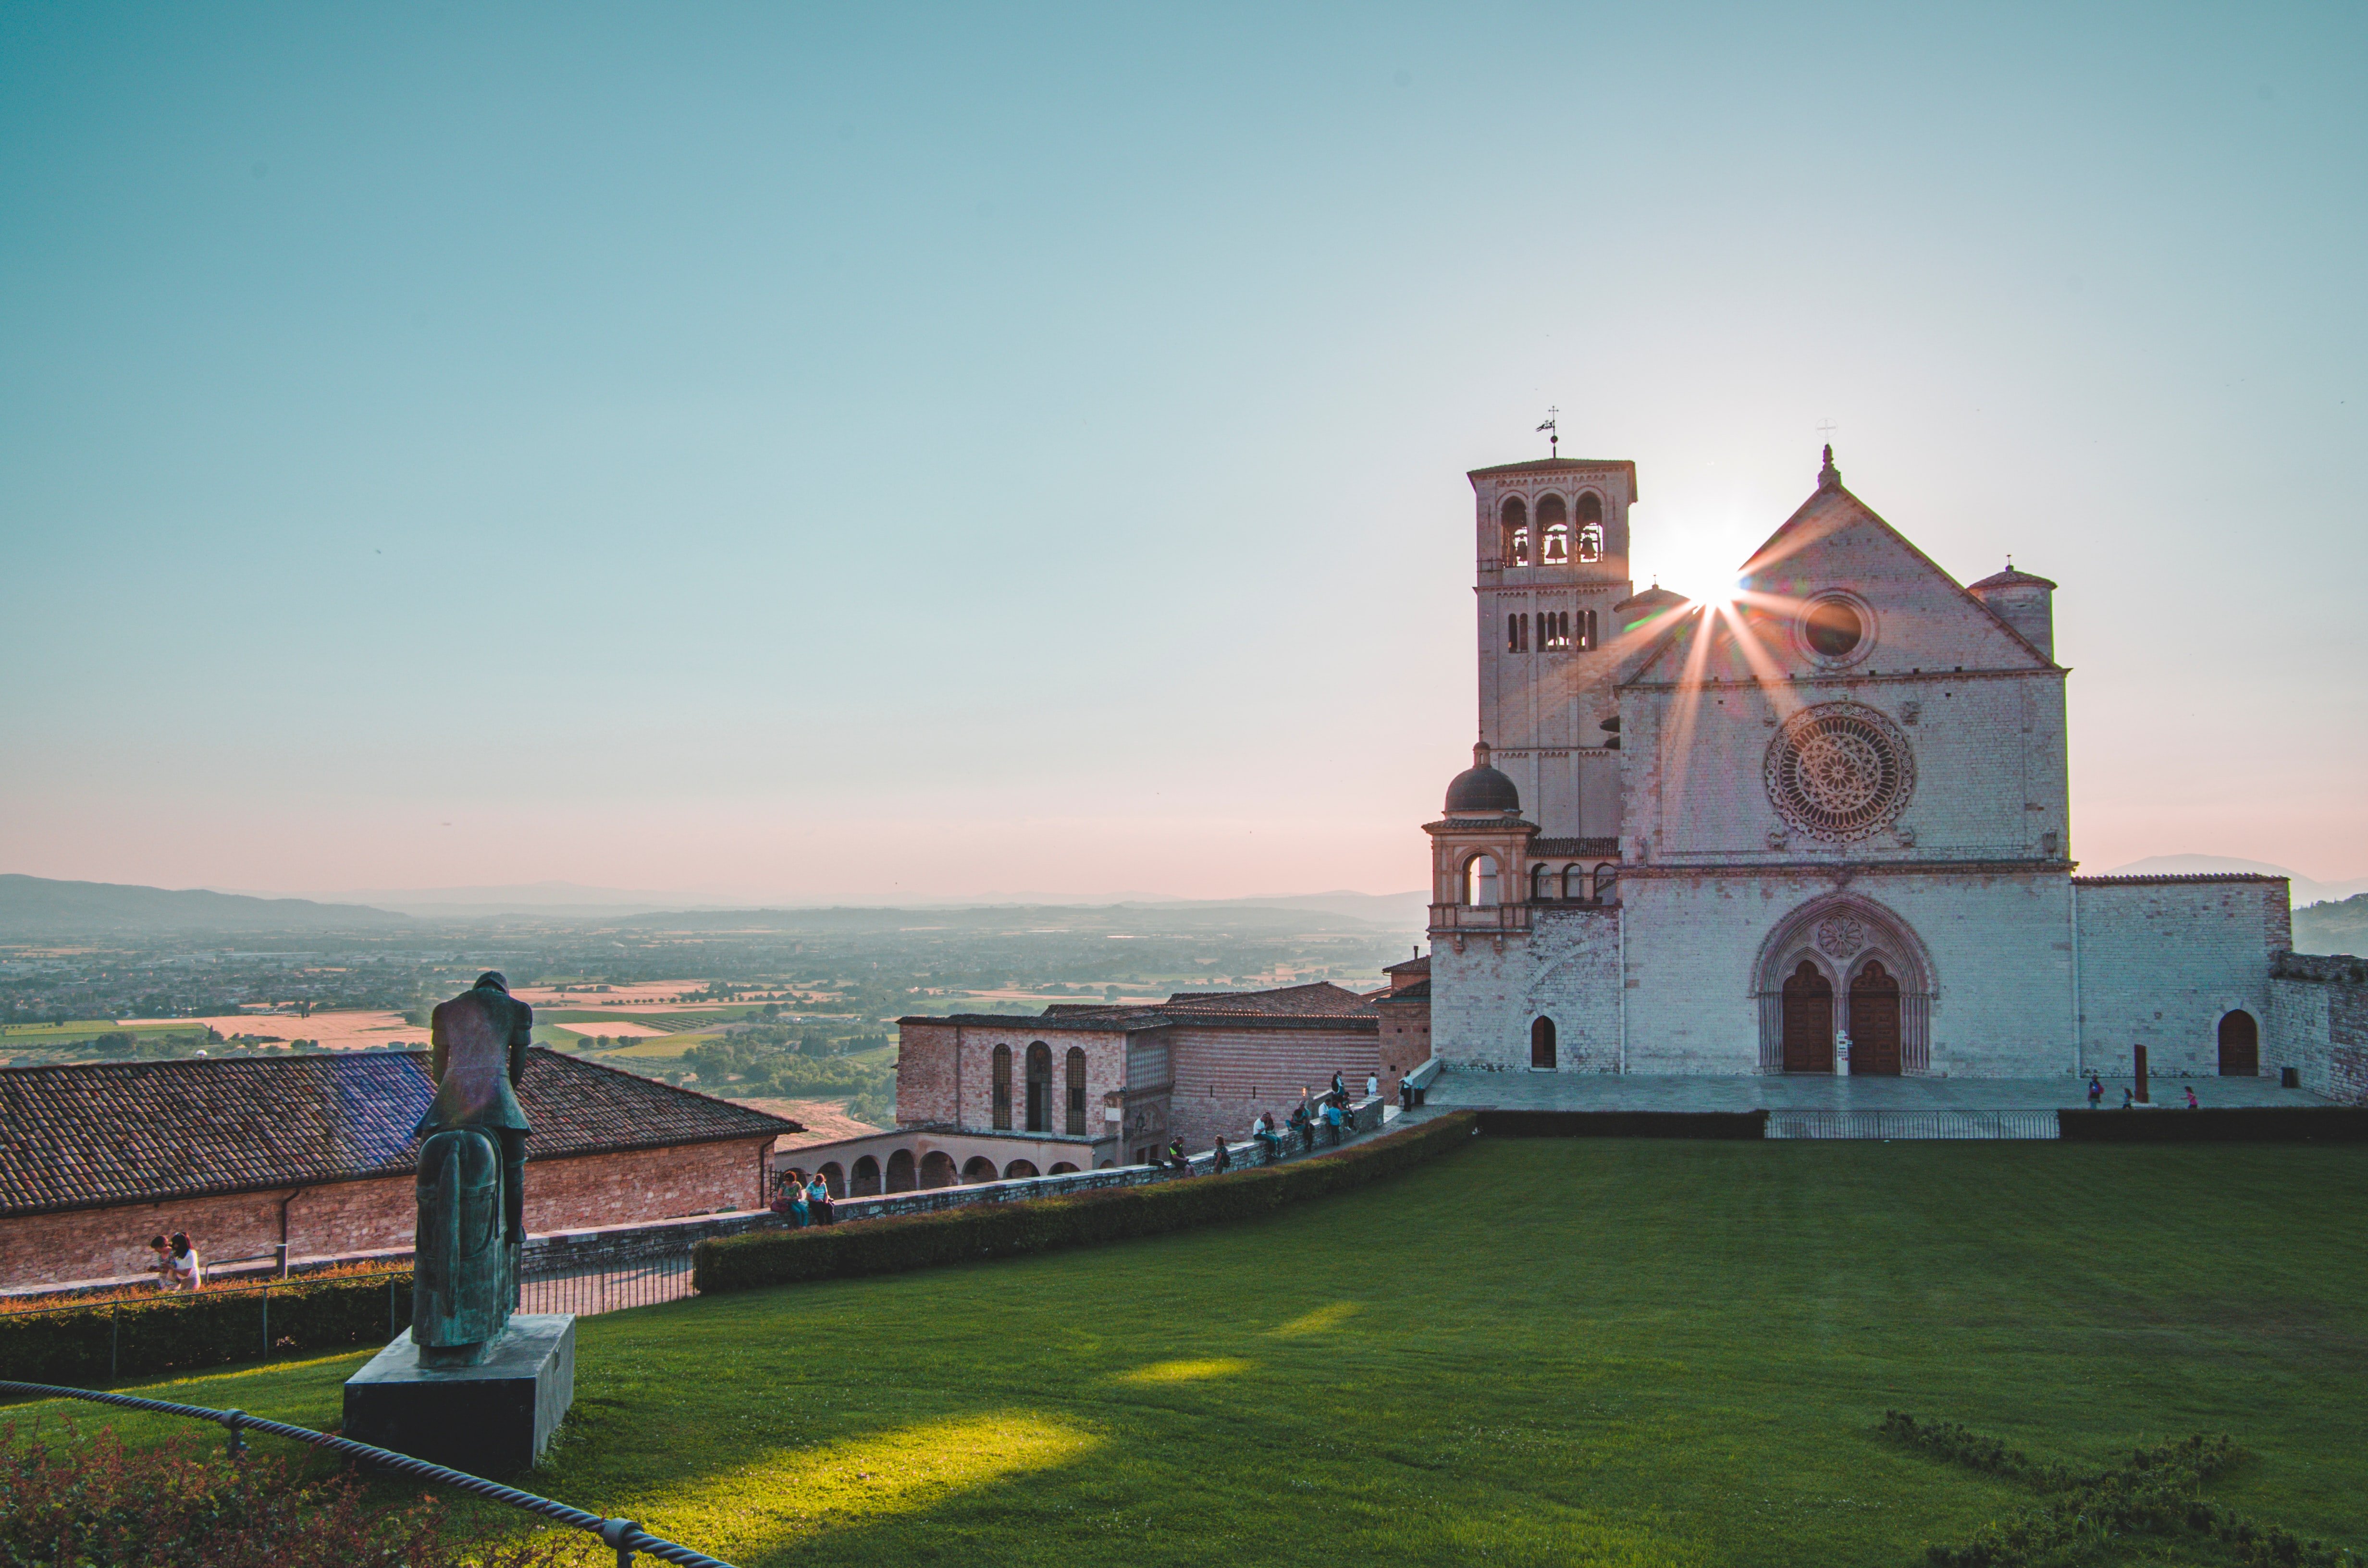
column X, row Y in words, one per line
column 1877, row 970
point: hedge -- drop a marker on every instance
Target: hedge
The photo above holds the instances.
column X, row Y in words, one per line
column 2218, row 1124
column 81, row 1346
column 1007, row 1230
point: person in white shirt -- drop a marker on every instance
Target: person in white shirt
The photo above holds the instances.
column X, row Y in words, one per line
column 187, row 1274
column 1373, row 1086
column 160, row 1262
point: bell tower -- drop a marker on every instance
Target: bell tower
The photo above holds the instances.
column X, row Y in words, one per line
column 1552, row 556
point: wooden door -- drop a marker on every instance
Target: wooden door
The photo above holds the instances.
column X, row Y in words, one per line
column 1874, row 1020
column 2240, row 1046
column 1808, row 1021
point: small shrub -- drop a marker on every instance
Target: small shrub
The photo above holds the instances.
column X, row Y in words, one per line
column 1043, row 1225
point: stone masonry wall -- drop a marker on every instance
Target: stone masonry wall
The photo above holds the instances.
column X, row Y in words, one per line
column 2317, row 1025
column 1482, row 1000
column 341, row 1219
column 945, row 1072
column 2163, row 960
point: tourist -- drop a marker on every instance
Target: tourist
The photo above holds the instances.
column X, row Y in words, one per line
column 1304, row 1125
column 1373, row 1086
column 1337, row 1087
column 2096, row 1091
column 186, row 1273
column 160, row 1262
column 1224, row 1161
column 1405, row 1094
column 1177, row 1157
column 2129, row 1099
column 818, row 1199
column 2192, row 1103
column 1263, row 1130
column 1332, row 1120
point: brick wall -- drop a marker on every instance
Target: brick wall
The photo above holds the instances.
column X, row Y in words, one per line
column 1225, row 1076
column 945, row 1072
column 344, row 1218
column 1403, row 1041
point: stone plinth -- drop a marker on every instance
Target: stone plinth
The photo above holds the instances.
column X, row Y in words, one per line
column 492, row 1419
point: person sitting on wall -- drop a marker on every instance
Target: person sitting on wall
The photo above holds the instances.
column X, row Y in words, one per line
column 1263, row 1130
column 1178, row 1158
column 818, row 1199
column 1304, row 1125
column 187, row 1273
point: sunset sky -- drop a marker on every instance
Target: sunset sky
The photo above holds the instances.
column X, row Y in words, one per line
column 871, row 452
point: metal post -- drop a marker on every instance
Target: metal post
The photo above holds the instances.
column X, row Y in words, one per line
column 235, row 1420
column 114, row 1342
column 614, row 1532
column 266, row 1322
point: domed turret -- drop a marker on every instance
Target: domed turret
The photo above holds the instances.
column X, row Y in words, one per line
column 1480, row 791
column 2022, row 601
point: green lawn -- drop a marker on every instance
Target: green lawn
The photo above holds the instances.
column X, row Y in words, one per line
column 1533, row 1352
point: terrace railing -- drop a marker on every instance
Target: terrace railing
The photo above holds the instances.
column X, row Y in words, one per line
column 625, row 1537
column 1906, row 1125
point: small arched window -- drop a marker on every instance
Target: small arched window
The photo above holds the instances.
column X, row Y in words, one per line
column 1554, row 531
column 1542, row 886
column 1480, row 881
column 1574, row 883
column 1002, row 1079
column 1515, row 518
column 1542, row 1043
column 1076, row 1091
column 1607, row 883
column 1040, row 1088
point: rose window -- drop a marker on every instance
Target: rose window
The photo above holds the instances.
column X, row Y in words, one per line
column 1839, row 772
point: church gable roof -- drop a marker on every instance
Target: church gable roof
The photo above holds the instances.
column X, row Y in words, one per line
column 1923, row 618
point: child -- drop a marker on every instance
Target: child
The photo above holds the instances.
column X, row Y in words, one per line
column 2192, row 1104
column 187, row 1273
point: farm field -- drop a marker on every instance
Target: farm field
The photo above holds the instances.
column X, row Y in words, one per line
column 1533, row 1352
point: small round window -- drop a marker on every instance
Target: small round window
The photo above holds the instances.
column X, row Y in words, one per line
column 1833, row 628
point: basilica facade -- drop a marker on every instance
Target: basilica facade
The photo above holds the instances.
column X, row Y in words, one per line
column 1820, row 827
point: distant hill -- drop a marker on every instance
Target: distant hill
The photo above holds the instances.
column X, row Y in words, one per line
column 2333, row 927
column 38, row 907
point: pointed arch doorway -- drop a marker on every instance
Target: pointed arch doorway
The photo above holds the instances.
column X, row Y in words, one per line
column 1808, row 1021
column 1874, row 1020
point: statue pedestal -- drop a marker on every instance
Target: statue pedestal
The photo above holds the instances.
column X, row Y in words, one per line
column 492, row 1419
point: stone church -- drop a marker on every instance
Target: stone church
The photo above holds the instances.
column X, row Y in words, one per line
column 1821, row 826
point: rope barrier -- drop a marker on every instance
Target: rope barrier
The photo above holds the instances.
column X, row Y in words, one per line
column 625, row 1536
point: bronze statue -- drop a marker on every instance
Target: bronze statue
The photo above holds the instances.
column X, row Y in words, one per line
column 471, row 1176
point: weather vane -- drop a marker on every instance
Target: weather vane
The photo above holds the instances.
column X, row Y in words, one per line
column 1554, row 437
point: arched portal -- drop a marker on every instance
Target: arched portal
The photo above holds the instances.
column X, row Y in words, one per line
column 1542, row 1042
column 1874, row 1020
column 1808, row 1021
column 1040, row 1088
column 2241, row 1045
column 1844, row 939
column 976, row 1169
column 937, row 1169
column 900, row 1172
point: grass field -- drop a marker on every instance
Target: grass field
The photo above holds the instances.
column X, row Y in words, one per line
column 1533, row 1352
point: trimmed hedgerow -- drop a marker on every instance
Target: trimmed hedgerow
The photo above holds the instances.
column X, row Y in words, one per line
column 2157, row 1492
column 1007, row 1230
column 81, row 1346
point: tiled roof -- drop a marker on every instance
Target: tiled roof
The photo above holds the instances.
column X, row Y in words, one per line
column 1418, row 964
column 2174, row 876
column 1576, row 848
column 1418, row 991
column 1317, row 1004
column 141, row 1132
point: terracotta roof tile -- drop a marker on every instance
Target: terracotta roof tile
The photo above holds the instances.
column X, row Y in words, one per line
column 141, row 1132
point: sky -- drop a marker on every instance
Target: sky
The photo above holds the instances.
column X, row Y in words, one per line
column 892, row 452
